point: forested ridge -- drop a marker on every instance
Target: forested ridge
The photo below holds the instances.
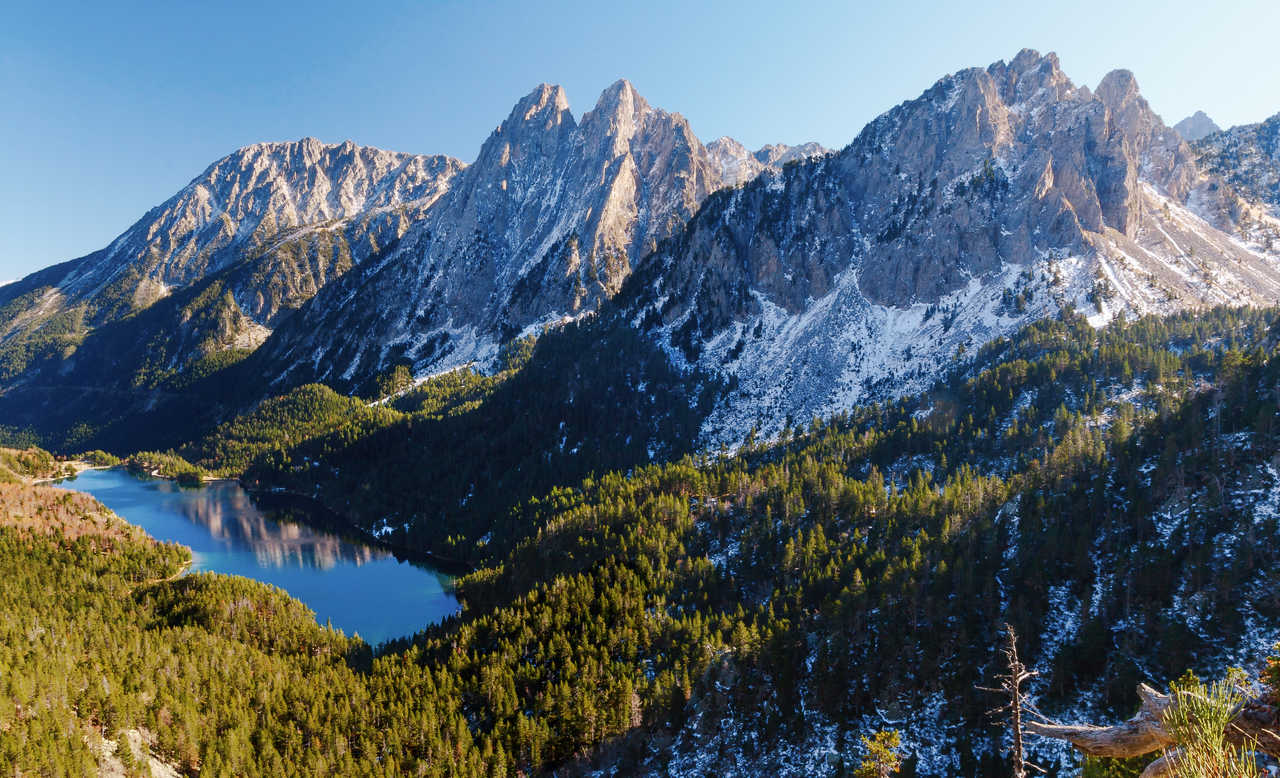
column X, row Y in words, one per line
column 436, row 467
column 1111, row 493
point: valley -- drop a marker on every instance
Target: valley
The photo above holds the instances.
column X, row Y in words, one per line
column 740, row 457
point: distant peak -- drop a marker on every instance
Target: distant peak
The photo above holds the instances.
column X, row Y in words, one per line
column 618, row 89
column 727, row 144
column 777, row 154
column 1196, row 126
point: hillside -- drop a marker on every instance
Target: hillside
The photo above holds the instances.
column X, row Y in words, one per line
column 1109, row 492
column 746, row 454
column 810, row 281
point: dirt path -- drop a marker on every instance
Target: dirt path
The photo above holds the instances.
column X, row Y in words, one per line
column 183, row 570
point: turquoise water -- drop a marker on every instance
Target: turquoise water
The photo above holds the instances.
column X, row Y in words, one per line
column 357, row 588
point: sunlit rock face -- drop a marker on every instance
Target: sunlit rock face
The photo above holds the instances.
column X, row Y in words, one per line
column 1000, row 195
column 274, row 222
column 545, row 225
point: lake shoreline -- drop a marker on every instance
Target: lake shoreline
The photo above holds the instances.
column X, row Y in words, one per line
column 357, row 586
column 79, row 465
column 334, row 522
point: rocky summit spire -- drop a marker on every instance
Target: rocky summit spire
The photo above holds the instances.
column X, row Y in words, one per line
column 618, row 116
column 1117, row 89
column 620, row 99
column 546, row 101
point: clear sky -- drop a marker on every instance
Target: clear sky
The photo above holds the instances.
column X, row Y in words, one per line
column 110, row 108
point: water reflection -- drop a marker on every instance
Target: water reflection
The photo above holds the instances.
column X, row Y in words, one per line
column 230, row 515
column 359, row 588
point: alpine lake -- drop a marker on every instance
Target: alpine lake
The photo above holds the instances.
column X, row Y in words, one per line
column 358, row 588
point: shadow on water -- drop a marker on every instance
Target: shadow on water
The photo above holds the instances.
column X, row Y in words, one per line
column 359, row 587
column 296, row 508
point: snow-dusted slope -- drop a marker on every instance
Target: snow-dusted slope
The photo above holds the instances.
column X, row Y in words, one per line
column 1248, row 159
column 546, row 224
column 1000, row 195
column 269, row 202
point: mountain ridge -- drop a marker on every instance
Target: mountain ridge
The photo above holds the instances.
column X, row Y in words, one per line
column 543, row 227
column 825, row 279
column 1000, row 195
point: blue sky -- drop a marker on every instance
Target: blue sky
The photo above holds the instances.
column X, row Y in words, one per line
column 109, row 108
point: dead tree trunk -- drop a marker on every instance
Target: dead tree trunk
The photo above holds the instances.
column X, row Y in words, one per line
column 1011, row 687
column 1256, row 727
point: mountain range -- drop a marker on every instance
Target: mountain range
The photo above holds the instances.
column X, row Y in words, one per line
column 749, row 449
column 814, row 280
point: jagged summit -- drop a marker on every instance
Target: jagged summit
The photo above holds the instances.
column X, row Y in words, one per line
column 546, row 100
column 828, row 286
column 545, row 224
column 249, row 198
column 252, row 195
column 621, row 97
column 1117, row 89
column 738, row 164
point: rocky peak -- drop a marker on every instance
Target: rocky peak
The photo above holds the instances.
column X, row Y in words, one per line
column 1030, row 79
column 1027, row 59
column 729, row 147
column 547, row 102
column 778, row 154
column 1196, row 126
column 619, row 103
column 248, row 198
column 1117, row 89
column 618, row 117
column 736, row 164
column 538, row 123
